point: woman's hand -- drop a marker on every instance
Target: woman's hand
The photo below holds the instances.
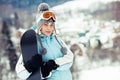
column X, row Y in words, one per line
column 47, row 67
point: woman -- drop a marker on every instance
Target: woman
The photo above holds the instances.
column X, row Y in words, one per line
column 56, row 57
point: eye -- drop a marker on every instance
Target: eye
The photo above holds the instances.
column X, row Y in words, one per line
column 45, row 24
column 52, row 24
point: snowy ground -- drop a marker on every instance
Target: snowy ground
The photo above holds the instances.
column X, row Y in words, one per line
column 102, row 73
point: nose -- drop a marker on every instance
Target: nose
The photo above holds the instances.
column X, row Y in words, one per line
column 48, row 27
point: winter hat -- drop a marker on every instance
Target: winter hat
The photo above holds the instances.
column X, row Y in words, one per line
column 43, row 7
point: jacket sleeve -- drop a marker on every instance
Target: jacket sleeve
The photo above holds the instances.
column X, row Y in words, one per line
column 67, row 58
column 20, row 69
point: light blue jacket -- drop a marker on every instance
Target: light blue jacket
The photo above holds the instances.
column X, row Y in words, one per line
column 53, row 52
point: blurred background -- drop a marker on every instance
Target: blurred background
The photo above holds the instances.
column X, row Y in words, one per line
column 90, row 28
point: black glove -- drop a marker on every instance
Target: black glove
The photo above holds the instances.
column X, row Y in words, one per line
column 47, row 67
column 34, row 63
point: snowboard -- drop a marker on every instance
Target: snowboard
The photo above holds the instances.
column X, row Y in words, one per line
column 28, row 44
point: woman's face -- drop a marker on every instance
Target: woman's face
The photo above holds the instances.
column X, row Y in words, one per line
column 47, row 28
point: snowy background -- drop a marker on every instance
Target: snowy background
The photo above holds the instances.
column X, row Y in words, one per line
column 91, row 29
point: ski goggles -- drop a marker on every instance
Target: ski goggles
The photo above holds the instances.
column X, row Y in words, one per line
column 48, row 15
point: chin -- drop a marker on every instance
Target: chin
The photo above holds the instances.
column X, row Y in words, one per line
column 48, row 34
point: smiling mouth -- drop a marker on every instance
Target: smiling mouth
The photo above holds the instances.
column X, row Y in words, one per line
column 48, row 31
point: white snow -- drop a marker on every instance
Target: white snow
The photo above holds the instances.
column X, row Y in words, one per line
column 102, row 73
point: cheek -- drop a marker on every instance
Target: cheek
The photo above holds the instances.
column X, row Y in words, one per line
column 52, row 29
column 42, row 30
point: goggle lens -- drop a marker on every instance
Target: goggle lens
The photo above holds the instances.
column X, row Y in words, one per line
column 47, row 15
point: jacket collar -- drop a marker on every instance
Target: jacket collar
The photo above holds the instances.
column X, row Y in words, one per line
column 42, row 36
